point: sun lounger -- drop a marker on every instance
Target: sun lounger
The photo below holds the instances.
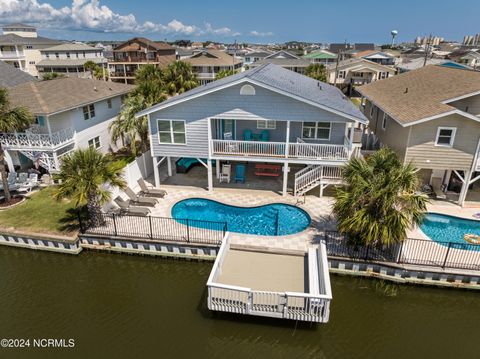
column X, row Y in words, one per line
column 150, row 192
column 127, row 209
column 136, row 200
column 22, row 178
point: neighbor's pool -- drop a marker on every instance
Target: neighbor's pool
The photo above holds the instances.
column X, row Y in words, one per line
column 443, row 229
column 269, row 220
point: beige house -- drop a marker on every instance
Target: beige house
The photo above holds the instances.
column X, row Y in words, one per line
column 357, row 71
column 208, row 63
column 431, row 117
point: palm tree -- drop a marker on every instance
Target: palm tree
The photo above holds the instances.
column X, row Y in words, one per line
column 224, row 73
column 150, row 84
column 380, row 201
column 11, row 120
column 83, row 175
column 90, row 66
column 52, row 76
column 179, row 77
column 317, row 72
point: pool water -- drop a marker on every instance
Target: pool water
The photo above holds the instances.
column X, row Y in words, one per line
column 275, row 219
column 443, row 229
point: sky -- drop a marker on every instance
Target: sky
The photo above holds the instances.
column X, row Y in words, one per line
column 260, row 21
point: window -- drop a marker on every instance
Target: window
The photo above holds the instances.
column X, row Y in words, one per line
column 29, row 47
column 316, row 130
column 31, row 62
column 384, row 121
column 94, row 142
column 47, row 55
column 88, row 112
column 68, row 55
column 171, row 131
column 76, row 55
column 383, row 75
column 266, row 124
column 248, row 90
column 109, row 103
column 445, row 136
column 57, row 55
column 372, row 107
column 341, row 74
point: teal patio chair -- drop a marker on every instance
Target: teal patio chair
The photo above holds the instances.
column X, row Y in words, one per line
column 240, row 173
column 265, row 136
column 247, row 135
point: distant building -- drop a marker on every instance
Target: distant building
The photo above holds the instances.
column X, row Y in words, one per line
column 471, row 40
column 69, row 59
column 433, row 41
column 130, row 55
column 415, row 64
column 20, row 46
column 321, row 57
column 379, row 57
column 285, row 59
column 254, row 56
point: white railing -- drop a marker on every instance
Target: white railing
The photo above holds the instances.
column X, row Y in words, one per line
column 312, row 176
column 311, row 307
column 28, row 140
column 206, row 75
column 11, row 54
column 278, row 150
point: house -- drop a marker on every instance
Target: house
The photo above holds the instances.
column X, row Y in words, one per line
column 267, row 119
column 414, row 64
column 254, row 56
column 285, row 59
column 11, row 76
column 352, row 72
column 208, row 63
column 471, row 59
column 20, row 46
column 70, row 113
column 323, row 57
column 379, row 57
column 69, row 59
column 430, row 117
column 130, row 55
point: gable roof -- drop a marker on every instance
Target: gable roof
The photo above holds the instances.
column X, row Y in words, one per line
column 71, row 47
column 212, row 58
column 422, row 94
column 53, row 96
column 277, row 79
column 282, row 62
column 320, row 54
column 282, row 54
column 359, row 63
column 17, row 25
column 14, row 39
column 127, row 45
column 11, row 76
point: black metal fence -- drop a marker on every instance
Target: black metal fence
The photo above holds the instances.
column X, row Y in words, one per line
column 158, row 228
column 411, row 251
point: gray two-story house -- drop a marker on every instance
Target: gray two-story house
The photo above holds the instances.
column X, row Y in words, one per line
column 431, row 117
column 267, row 117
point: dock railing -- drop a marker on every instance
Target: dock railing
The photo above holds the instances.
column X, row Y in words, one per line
column 411, row 251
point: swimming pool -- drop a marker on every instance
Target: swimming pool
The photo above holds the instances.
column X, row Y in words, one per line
column 275, row 219
column 443, row 229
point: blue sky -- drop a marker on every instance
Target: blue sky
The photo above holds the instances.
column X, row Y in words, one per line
column 254, row 21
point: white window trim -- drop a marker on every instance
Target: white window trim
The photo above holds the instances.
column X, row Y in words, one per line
column 90, row 117
column 316, row 131
column 264, row 124
column 384, row 121
column 452, row 138
column 171, row 133
column 93, row 139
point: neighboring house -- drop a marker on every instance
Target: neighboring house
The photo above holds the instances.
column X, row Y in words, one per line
column 472, row 59
column 266, row 115
column 184, row 53
column 378, row 57
column 254, row 56
column 69, row 59
column 130, row 55
column 430, row 117
column 357, row 72
column 10, row 76
column 321, row 57
column 70, row 113
column 20, row 46
column 285, row 59
column 418, row 63
column 208, row 63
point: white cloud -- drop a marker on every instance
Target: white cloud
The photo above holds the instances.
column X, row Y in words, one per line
column 261, row 34
column 90, row 15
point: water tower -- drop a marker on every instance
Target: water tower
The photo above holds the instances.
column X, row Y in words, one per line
column 394, row 33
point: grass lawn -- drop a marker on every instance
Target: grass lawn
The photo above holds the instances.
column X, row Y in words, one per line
column 40, row 213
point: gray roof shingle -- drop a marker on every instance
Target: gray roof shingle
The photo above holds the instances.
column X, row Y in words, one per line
column 11, row 76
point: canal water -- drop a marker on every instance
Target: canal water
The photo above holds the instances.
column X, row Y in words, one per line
column 118, row 306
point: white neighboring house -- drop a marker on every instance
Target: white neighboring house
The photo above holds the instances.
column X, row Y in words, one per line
column 357, row 72
column 69, row 59
column 70, row 113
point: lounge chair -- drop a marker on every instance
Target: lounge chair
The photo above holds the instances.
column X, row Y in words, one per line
column 240, row 173
column 226, row 173
column 136, row 200
column 265, row 136
column 22, row 178
column 247, row 135
column 127, row 209
column 150, row 192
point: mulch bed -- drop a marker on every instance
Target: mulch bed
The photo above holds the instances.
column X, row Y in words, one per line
column 13, row 201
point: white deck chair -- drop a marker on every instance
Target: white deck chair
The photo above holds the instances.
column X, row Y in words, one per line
column 226, row 173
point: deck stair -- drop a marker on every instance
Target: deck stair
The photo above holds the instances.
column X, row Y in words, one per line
column 315, row 175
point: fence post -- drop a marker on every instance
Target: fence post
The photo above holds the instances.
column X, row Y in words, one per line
column 400, row 252
column 80, row 224
column 446, row 255
column 114, row 224
column 188, row 231
column 150, row 223
column 366, row 252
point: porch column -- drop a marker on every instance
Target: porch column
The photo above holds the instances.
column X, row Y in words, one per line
column 156, row 172
column 55, row 160
column 287, row 139
column 285, row 178
column 217, row 167
column 169, row 166
column 210, row 175
column 463, row 192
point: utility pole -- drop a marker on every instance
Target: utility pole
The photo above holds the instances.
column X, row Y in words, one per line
column 427, row 50
column 340, row 53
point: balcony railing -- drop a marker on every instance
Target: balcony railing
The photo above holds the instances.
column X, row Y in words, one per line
column 37, row 141
column 206, row 75
column 11, row 54
column 279, row 150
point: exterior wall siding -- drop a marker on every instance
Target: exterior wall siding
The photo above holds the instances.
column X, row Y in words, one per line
column 229, row 104
column 470, row 105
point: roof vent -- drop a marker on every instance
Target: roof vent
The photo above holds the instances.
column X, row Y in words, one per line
column 95, row 88
column 406, row 90
column 319, row 85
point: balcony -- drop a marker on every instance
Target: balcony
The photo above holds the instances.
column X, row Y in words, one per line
column 37, row 141
column 12, row 55
column 206, row 75
column 281, row 150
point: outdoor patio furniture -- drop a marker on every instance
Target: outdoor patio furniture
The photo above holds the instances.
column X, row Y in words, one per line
column 247, row 135
column 226, row 173
column 150, row 192
column 126, row 208
column 22, row 178
column 184, row 164
column 46, row 180
column 136, row 200
column 267, row 170
column 264, row 136
column 240, row 173
column 12, row 177
column 31, row 183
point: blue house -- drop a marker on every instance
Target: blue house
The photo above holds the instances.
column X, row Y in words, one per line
column 268, row 117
